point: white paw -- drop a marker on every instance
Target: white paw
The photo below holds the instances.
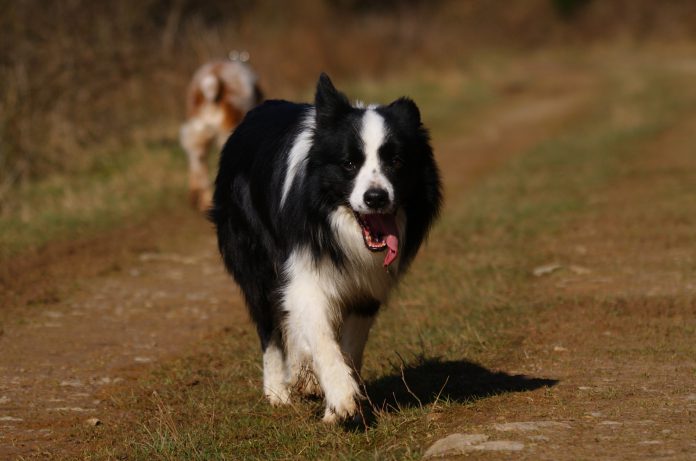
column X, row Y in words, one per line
column 341, row 401
column 278, row 395
column 332, row 416
column 329, row 416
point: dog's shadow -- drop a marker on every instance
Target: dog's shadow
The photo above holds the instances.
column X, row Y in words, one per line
column 428, row 380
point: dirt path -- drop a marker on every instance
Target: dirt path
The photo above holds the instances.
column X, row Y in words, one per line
column 103, row 313
column 136, row 299
column 629, row 314
column 620, row 336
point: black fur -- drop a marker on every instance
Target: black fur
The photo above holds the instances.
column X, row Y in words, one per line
column 256, row 235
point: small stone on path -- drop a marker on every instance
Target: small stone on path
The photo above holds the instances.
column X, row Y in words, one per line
column 93, row 422
column 458, row 444
column 579, row 270
column 454, row 444
column 499, row 445
column 546, row 269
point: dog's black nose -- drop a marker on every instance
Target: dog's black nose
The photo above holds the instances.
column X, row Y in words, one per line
column 376, row 198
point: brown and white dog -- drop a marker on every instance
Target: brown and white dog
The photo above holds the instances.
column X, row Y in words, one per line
column 218, row 97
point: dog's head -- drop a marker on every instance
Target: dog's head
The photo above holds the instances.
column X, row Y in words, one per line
column 371, row 159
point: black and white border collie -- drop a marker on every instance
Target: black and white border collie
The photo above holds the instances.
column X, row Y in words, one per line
column 319, row 211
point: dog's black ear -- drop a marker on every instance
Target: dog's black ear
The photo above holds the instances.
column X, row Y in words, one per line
column 406, row 112
column 331, row 104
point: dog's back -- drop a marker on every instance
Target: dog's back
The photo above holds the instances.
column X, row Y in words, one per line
column 228, row 85
column 218, row 97
column 246, row 203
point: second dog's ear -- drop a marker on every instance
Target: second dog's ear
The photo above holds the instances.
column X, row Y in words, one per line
column 331, row 104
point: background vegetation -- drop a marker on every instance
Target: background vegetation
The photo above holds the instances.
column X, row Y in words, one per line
column 82, row 79
column 92, row 92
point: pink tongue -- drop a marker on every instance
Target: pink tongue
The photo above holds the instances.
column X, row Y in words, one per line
column 385, row 225
column 392, row 249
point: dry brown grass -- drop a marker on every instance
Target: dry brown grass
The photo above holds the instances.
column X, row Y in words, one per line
column 80, row 80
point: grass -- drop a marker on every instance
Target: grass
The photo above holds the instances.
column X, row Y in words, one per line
column 140, row 181
column 464, row 305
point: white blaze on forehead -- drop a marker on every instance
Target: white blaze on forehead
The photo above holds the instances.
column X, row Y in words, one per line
column 373, row 133
column 298, row 154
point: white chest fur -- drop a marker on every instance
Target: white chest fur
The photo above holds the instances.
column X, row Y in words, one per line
column 363, row 275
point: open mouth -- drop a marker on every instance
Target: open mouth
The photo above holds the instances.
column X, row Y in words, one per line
column 379, row 233
column 374, row 229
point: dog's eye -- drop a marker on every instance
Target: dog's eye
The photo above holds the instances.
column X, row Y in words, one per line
column 348, row 165
column 397, row 162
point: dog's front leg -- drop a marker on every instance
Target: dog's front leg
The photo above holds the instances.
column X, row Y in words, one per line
column 274, row 386
column 300, row 376
column 196, row 139
column 335, row 377
column 356, row 328
column 311, row 320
